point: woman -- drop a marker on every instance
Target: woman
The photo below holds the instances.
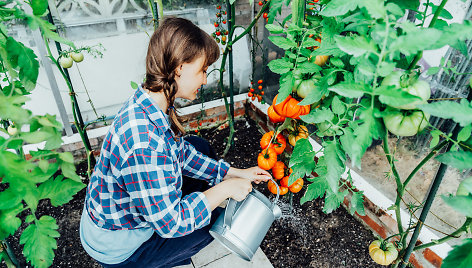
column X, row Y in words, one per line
column 142, row 209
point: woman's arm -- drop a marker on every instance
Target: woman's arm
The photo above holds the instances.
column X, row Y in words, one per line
column 236, row 188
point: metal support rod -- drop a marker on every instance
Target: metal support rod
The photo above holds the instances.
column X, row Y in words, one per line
column 230, row 18
column 10, row 253
column 75, row 103
column 429, row 200
column 155, row 15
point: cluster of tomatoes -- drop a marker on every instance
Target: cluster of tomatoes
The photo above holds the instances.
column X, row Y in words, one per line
column 256, row 92
column 221, row 33
column 312, row 3
column 68, row 59
column 264, row 15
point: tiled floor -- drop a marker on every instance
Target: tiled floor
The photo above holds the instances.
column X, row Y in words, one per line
column 217, row 256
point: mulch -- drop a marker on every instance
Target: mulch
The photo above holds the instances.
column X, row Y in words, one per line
column 305, row 237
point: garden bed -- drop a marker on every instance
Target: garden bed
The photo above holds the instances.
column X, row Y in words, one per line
column 305, row 238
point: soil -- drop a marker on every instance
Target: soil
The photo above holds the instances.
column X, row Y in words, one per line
column 304, row 237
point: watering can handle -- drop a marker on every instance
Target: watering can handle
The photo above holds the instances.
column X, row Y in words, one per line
column 229, row 212
column 278, row 192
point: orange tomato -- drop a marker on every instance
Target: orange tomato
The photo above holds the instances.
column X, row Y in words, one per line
column 274, row 116
column 278, row 170
column 278, row 145
column 267, row 158
column 288, row 108
column 296, row 186
column 273, row 188
column 300, row 133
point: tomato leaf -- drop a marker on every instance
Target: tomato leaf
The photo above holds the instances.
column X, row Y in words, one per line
column 415, row 40
column 10, row 198
column 39, row 241
column 351, row 89
column 24, row 58
column 333, row 201
column 395, row 96
column 59, row 190
column 355, row 45
column 357, row 203
column 318, row 116
column 39, row 7
column 274, row 28
column 454, row 34
column 314, row 190
column 286, row 83
column 282, row 42
column 460, row 256
column 465, row 133
column 314, row 95
column 280, row 66
column 275, row 7
column 375, row 8
column 458, row 159
column 336, row 165
column 308, row 67
column 338, row 7
column 461, row 203
column 459, row 112
column 337, row 106
column 9, row 222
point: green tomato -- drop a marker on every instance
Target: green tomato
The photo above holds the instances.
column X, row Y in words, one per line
column 305, row 87
column 66, row 62
column 405, row 123
column 419, row 88
column 77, row 57
column 12, row 130
column 297, row 76
column 465, row 187
column 326, row 129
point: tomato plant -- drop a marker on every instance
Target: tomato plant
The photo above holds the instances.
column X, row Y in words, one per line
column 365, row 57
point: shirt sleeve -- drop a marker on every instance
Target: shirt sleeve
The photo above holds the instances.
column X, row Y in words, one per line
column 200, row 166
column 150, row 180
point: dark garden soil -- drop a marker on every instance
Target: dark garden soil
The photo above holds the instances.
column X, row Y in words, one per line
column 304, row 238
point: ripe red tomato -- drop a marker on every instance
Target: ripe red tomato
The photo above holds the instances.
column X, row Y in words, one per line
column 260, row 81
column 250, row 94
column 216, row 24
column 261, row 3
column 218, row 33
column 265, row 15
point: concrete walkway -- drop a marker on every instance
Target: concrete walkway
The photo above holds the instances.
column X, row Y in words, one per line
column 217, row 256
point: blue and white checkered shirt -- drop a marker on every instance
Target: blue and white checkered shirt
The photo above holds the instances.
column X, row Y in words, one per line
column 137, row 180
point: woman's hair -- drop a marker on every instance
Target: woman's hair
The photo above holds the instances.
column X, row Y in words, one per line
column 176, row 41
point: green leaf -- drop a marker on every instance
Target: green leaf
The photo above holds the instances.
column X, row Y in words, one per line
column 351, row 89
column 407, row 4
column 336, row 165
column 435, row 134
column 386, row 68
column 416, row 40
column 355, row 45
column 275, row 7
column 47, row 29
column 134, row 85
column 10, row 198
column 461, row 203
column 433, row 70
column 313, row 96
column 68, row 170
column 460, row 256
column 280, row 66
column 375, row 8
column 282, row 42
column 395, row 96
column 39, row 240
column 286, row 83
column 357, row 203
column 458, row 159
column 274, row 28
column 314, row 190
column 39, row 7
column 454, row 34
column 459, row 112
column 318, row 116
column 24, row 58
column 338, row 8
column 308, row 67
column 59, row 190
column 465, row 133
column 338, row 106
column 9, row 222
column 333, row 201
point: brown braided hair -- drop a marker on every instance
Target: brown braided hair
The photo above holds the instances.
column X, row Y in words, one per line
column 175, row 41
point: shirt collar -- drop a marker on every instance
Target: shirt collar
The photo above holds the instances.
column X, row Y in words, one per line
column 151, row 108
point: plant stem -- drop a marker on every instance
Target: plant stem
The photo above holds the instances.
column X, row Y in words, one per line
column 433, row 152
column 419, row 55
column 398, row 181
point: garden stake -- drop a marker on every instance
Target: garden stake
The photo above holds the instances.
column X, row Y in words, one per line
column 9, row 255
column 427, row 205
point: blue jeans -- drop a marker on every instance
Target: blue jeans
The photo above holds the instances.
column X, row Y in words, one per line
column 168, row 252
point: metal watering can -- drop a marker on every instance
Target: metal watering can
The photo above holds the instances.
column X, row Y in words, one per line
column 244, row 224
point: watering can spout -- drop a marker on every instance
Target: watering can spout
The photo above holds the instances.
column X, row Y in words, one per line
column 277, row 212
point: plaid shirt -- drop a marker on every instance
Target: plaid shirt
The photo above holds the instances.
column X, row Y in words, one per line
column 138, row 178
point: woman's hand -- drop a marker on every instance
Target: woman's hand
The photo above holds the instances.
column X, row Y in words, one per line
column 238, row 188
column 255, row 174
